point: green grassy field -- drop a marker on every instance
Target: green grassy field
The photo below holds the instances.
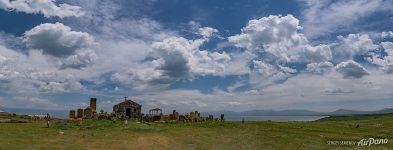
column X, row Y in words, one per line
column 105, row 134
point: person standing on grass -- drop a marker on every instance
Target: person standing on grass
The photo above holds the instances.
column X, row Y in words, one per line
column 47, row 120
column 222, row 117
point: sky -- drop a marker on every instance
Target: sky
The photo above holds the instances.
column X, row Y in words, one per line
column 197, row 54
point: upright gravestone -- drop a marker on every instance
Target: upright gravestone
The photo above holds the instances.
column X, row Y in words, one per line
column 88, row 113
column 79, row 113
column 72, row 114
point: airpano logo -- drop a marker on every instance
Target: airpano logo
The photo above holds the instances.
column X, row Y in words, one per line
column 372, row 141
column 362, row 142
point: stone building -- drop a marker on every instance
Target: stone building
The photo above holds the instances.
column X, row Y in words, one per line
column 127, row 109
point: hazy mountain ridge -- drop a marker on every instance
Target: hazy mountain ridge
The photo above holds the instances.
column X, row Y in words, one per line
column 298, row 112
column 29, row 111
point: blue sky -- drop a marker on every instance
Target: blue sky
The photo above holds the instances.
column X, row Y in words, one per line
column 197, row 54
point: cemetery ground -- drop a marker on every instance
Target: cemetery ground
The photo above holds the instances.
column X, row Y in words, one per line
column 106, row 134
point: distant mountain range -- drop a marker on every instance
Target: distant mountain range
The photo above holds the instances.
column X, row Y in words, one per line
column 28, row 111
column 293, row 112
column 297, row 112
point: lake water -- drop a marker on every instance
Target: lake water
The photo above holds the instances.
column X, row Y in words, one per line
column 273, row 118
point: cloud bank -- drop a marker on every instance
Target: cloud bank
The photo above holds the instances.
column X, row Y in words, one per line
column 271, row 62
column 48, row 8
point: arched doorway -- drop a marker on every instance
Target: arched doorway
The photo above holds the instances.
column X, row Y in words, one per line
column 128, row 112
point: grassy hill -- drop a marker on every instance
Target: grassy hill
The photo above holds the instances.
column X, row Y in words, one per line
column 106, row 134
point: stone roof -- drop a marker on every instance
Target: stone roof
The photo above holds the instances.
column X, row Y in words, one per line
column 128, row 102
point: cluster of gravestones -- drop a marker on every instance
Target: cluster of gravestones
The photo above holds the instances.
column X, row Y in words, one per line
column 152, row 118
column 88, row 113
column 193, row 116
column 171, row 117
column 81, row 115
column 33, row 117
column 154, row 114
column 196, row 117
column 106, row 116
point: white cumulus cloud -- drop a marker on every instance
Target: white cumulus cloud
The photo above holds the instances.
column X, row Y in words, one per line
column 319, row 68
column 181, row 58
column 327, row 16
column 207, row 32
column 48, row 8
column 357, row 43
column 56, row 39
column 320, row 53
column 280, row 37
column 79, row 60
column 72, row 49
column 387, row 34
column 385, row 62
column 351, row 69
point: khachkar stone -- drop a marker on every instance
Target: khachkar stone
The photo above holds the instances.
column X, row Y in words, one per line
column 175, row 115
column 211, row 117
column 93, row 103
column 72, row 114
column 79, row 113
column 88, row 113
